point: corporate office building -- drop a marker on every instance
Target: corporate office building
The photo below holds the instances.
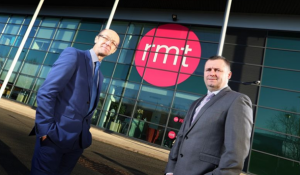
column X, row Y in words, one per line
column 157, row 72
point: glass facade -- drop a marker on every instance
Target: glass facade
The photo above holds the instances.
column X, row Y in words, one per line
column 131, row 106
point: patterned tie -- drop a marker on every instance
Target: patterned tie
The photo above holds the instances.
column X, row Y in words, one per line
column 203, row 102
column 94, row 88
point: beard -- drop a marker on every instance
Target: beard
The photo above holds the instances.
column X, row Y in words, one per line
column 102, row 54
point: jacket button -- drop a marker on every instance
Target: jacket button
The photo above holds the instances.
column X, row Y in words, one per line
column 88, row 102
column 181, row 155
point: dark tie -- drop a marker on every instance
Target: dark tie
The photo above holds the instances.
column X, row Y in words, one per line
column 203, row 102
column 94, row 88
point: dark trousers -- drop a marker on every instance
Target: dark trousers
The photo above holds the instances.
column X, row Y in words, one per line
column 49, row 159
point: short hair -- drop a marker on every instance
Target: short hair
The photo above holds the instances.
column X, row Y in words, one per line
column 217, row 57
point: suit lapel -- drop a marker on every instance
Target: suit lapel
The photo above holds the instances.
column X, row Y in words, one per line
column 89, row 68
column 209, row 104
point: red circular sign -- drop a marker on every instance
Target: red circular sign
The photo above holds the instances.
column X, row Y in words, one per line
column 172, row 134
column 167, row 54
column 176, row 119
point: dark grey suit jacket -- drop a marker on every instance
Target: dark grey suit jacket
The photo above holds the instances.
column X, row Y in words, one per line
column 218, row 141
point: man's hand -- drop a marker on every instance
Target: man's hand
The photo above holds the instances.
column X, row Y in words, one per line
column 44, row 138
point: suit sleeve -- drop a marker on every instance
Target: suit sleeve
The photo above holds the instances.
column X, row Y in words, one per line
column 175, row 149
column 238, row 128
column 60, row 74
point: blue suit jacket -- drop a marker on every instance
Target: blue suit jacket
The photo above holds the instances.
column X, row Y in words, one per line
column 63, row 100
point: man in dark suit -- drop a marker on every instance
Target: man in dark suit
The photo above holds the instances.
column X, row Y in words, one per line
column 215, row 136
column 65, row 104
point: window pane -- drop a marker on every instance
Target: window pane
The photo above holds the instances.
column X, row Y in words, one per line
column 36, row 57
column 45, row 33
column 105, row 85
column 170, row 136
column 58, row 46
column 194, row 84
column 284, row 100
column 131, row 41
column 16, row 19
column 116, row 87
column 69, row 23
column 122, row 71
column 90, row 25
column 266, row 164
column 113, row 57
column 4, row 51
column 1, row 27
column 152, row 113
column 277, row 144
column 284, row 122
column 283, row 59
column 157, row 96
column 38, row 84
column 85, row 37
column 208, row 49
column 276, row 77
column 19, row 94
column 284, row 40
column 131, row 90
column 45, row 71
column 107, row 68
column 36, row 23
column 11, row 78
column 119, row 27
column 25, row 82
column 4, row 18
column 126, row 56
column 8, row 64
column 176, row 119
column 65, row 35
column 207, row 34
column 32, row 100
column 14, row 51
column 183, row 101
column 12, row 29
column 51, row 58
column 134, row 75
column 30, row 69
column 27, row 43
column 83, row 46
column 40, row 44
column 50, row 22
column 7, row 40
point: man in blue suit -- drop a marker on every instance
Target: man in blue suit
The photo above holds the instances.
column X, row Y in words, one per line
column 65, row 104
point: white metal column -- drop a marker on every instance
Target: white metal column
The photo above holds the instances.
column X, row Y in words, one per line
column 112, row 14
column 224, row 28
column 13, row 64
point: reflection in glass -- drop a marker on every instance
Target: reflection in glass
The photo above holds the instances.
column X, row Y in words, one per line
column 19, row 40
column 30, row 69
column 151, row 113
column 11, row 78
column 38, row 84
column 69, row 23
column 85, row 36
column 1, row 26
column 284, row 122
column 264, row 164
column 40, row 44
column 19, row 94
column 7, row 40
column 12, row 29
column 277, row 144
column 4, row 51
column 51, row 58
column 35, row 56
column 45, row 71
column 7, row 89
column 105, row 85
column 32, row 99
column 25, row 82
column 46, row 33
column 183, row 101
column 156, row 95
column 176, row 119
column 126, row 56
column 8, row 64
column 50, row 22
column 14, row 51
column 58, row 46
column 170, row 138
column 290, row 101
column 131, row 41
column 121, row 71
column 65, row 35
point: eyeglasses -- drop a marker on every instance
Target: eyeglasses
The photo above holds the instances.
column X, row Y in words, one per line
column 107, row 38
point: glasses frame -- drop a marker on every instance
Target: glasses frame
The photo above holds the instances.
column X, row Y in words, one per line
column 107, row 38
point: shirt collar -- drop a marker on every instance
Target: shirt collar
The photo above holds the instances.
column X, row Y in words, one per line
column 216, row 92
column 94, row 56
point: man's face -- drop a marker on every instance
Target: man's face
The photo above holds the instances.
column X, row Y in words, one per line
column 216, row 74
column 106, row 43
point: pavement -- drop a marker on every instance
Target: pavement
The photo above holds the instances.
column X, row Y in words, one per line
column 98, row 134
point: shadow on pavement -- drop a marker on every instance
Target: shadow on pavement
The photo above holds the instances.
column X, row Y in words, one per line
column 132, row 170
column 10, row 163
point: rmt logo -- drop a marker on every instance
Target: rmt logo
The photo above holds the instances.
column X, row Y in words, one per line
column 168, row 56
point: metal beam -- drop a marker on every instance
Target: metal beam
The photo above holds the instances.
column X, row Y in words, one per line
column 112, row 14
